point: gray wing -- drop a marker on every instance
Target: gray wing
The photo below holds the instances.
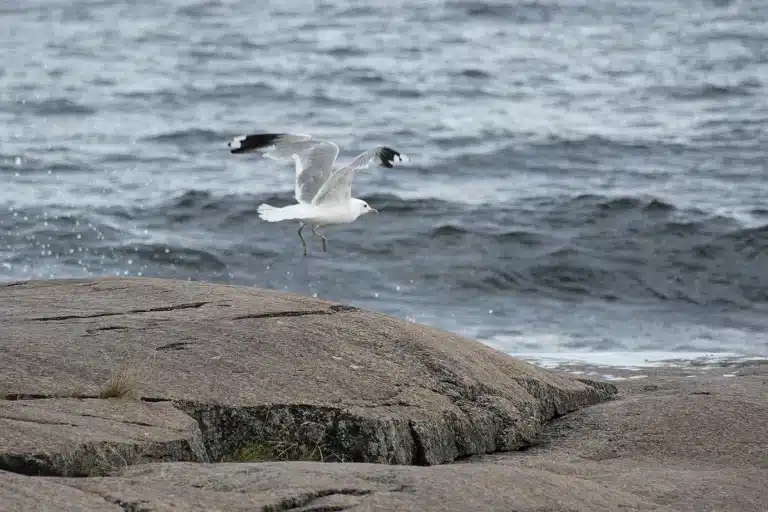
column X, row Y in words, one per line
column 338, row 188
column 314, row 157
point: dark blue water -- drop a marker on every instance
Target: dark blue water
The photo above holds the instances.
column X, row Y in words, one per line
column 585, row 176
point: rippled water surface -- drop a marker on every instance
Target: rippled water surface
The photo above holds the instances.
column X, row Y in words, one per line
column 583, row 176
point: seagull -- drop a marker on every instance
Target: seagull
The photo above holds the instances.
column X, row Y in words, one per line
column 323, row 193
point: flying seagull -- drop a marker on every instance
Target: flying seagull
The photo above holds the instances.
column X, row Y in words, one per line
column 323, row 193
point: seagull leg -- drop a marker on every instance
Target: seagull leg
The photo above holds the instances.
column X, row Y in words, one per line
column 325, row 240
column 303, row 243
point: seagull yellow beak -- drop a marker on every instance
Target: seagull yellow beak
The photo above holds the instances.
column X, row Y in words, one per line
column 374, row 210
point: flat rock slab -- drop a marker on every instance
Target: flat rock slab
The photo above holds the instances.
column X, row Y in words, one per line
column 86, row 437
column 20, row 493
column 312, row 486
column 668, row 443
column 691, row 440
column 259, row 366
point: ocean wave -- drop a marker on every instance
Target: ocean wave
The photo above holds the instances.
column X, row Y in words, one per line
column 51, row 107
column 30, row 165
column 342, row 51
column 564, row 153
column 193, row 199
column 596, row 210
column 190, row 136
column 579, row 272
column 473, row 73
column 394, row 204
column 182, row 97
column 519, row 237
column 751, row 243
column 620, row 248
column 188, row 258
column 611, row 248
column 520, row 12
column 598, row 142
column 622, row 204
column 448, row 230
column 56, row 229
column 202, row 9
column 201, row 209
column 250, row 90
column 710, row 90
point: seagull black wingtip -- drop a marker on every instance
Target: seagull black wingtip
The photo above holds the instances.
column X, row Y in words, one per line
column 387, row 155
column 252, row 142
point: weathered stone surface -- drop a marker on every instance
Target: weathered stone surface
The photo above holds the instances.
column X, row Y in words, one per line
column 252, row 367
column 312, row 486
column 23, row 494
column 675, row 441
column 86, row 437
column 690, row 440
column 255, row 365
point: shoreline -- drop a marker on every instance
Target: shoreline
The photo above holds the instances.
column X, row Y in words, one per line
column 617, row 366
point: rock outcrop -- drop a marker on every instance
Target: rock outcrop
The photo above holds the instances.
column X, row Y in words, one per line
column 112, row 377
column 20, row 493
column 85, row 437
column 690, row 440
column 678, row 441
column 314, row 486
column 269, row 372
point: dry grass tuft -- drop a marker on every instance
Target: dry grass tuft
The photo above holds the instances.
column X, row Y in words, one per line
column 265, row 451
column 121, row 384
column 98, row 460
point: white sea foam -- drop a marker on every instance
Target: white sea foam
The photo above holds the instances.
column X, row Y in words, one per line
column 551, row 350
column 633, row 360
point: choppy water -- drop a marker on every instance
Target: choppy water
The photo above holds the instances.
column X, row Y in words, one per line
column 586, row 175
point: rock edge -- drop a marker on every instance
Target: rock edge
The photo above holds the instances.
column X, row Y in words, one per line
column 256, row 366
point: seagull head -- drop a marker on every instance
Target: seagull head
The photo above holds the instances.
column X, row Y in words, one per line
column 360, row 207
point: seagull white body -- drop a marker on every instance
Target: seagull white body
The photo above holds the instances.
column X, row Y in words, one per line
column 323, row 194
column 311, row 214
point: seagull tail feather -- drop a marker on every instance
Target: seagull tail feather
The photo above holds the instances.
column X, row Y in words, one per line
column 271, row 213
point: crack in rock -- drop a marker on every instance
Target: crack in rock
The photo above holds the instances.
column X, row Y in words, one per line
column 419, row 455
column 96, row 330
column 16, row 397
column 306, row 499
column 130, row 506
column 330, row 311
column 93, row 285
column 40, row 421
column 191, row 305
column 128, row 422
column 156, row 399
column 36, row 464
column 28, row 396
column 38, row 396
column 178, row 345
